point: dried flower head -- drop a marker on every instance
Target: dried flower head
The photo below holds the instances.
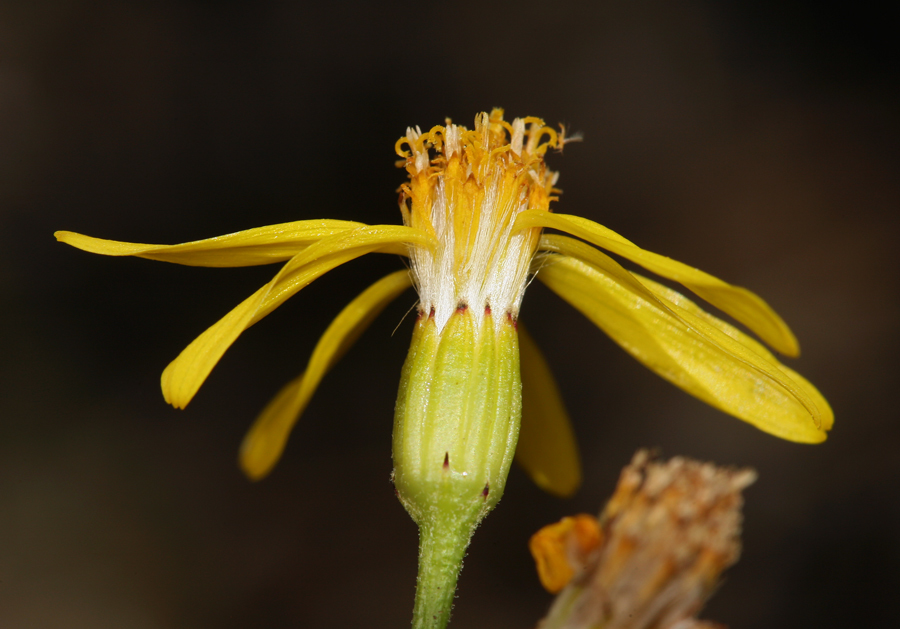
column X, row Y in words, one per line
column 666, row 535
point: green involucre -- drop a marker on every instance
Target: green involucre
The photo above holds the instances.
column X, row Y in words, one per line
column 455, row 430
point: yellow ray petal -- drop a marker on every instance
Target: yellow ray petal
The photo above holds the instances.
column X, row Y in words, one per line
column 375, row 238
column 740, row 303
column 686, row 306
column 184, row 375
column 262, row 245
column 547, row 449
column 264, row 443
column 704, row 356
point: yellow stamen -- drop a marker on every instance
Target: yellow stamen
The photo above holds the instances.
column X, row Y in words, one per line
column 466, row 188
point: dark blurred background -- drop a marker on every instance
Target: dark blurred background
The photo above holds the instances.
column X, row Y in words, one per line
column 755, row 140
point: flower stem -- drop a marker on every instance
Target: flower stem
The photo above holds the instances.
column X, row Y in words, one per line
column 442, row 546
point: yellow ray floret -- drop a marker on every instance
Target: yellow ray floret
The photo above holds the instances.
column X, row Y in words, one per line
column 264, row 443
column 704, row 356
column 320, row 246
column 184, row 375
column 251, row 247
column 547, row 449
column 740, row 303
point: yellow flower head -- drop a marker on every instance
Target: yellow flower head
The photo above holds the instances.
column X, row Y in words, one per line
column 474, row 210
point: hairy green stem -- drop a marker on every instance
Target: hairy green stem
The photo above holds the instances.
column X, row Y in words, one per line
column 442, row 547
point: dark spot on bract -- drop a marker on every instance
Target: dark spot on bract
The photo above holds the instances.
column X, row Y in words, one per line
column 446, row 461
column 485, row 491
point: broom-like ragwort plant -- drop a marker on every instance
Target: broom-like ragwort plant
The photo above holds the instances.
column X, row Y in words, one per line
column 474, row 212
